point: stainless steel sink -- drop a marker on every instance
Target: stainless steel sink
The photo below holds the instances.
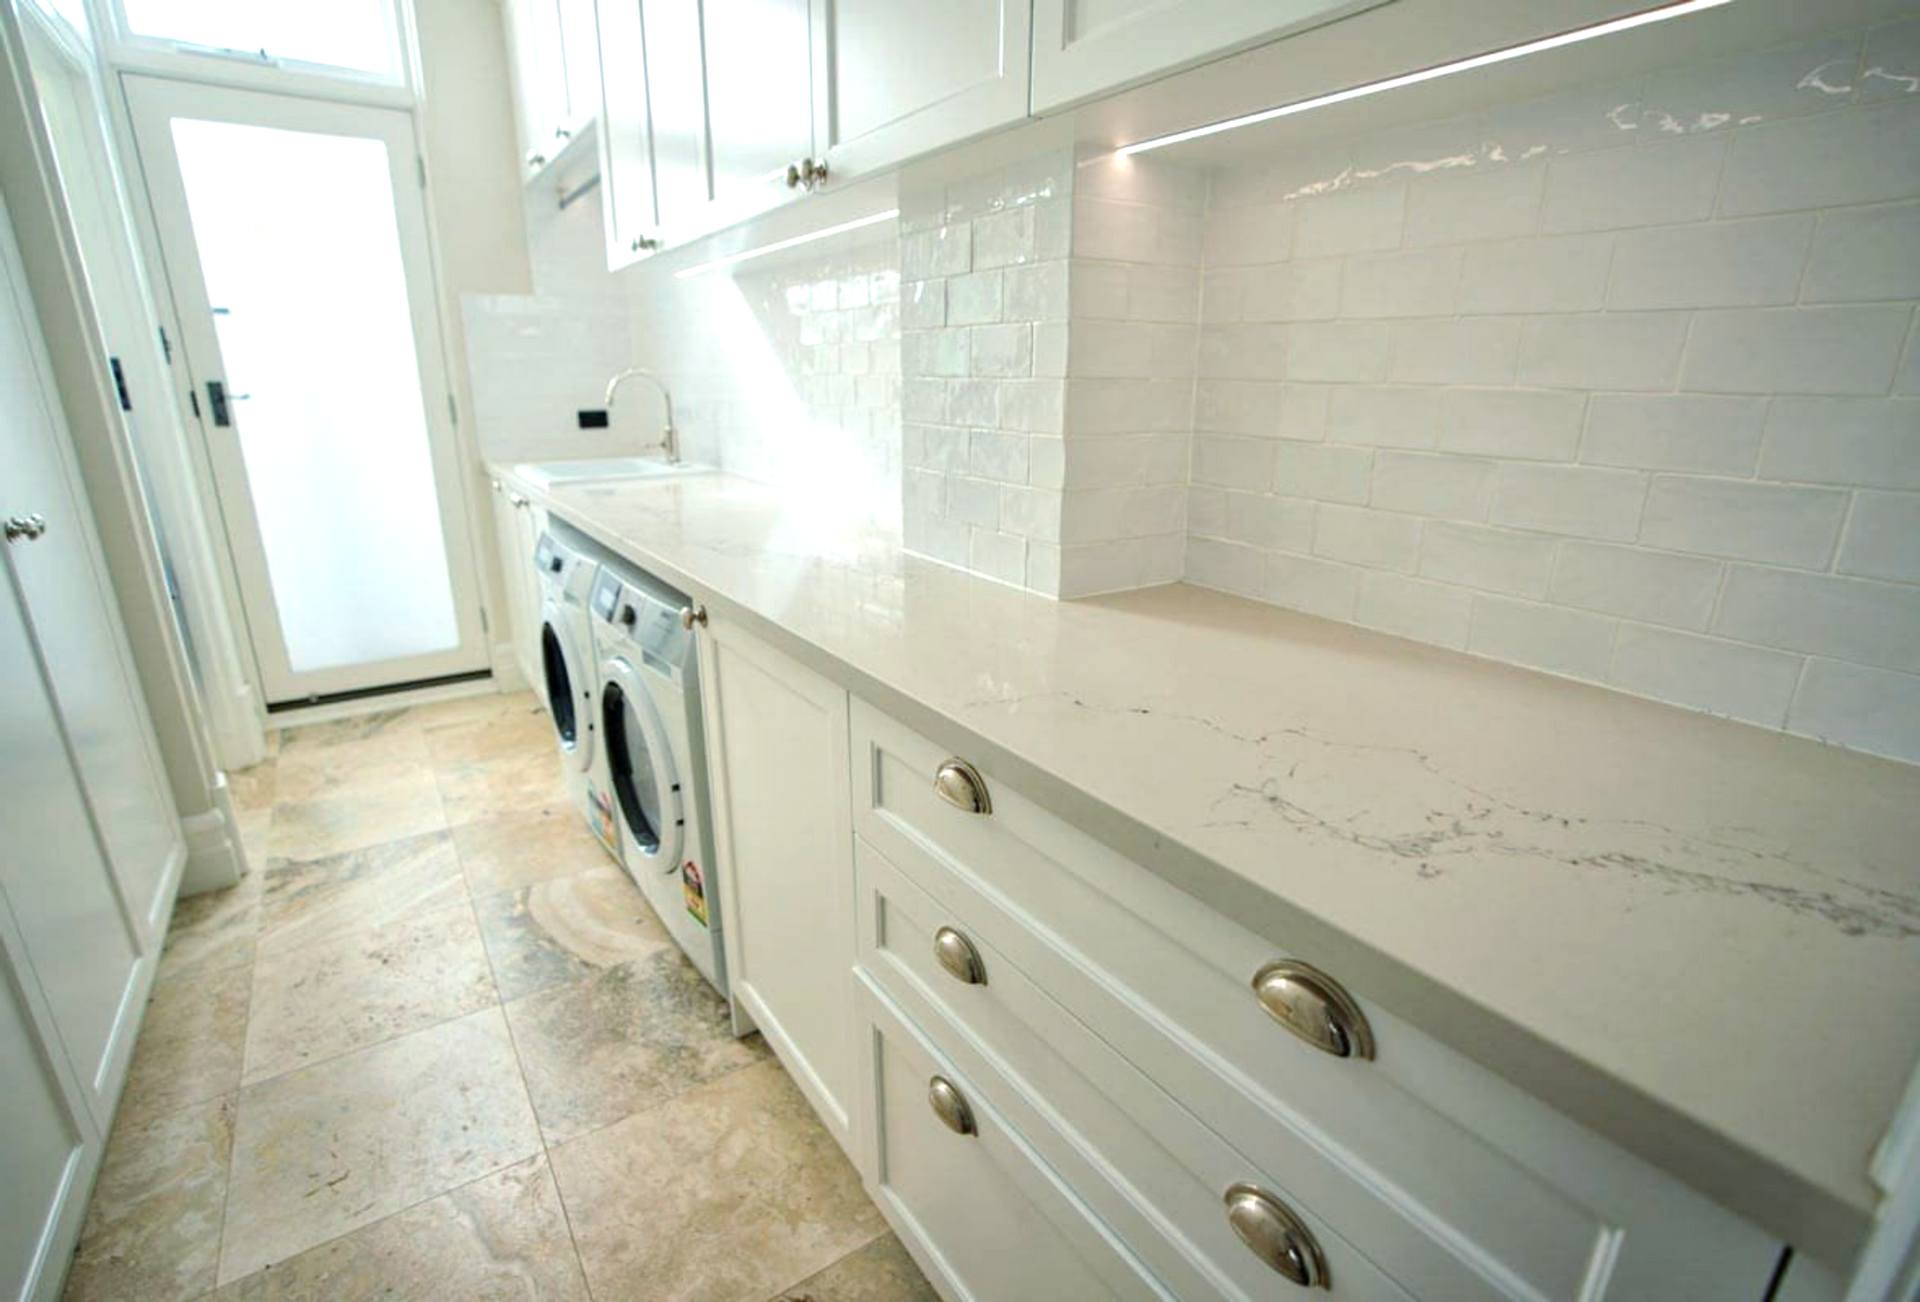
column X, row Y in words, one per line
column 551, row 474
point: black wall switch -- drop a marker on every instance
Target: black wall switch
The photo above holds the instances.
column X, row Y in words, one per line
column 593, row 418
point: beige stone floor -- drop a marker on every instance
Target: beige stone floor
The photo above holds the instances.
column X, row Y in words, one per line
column 436, row 1046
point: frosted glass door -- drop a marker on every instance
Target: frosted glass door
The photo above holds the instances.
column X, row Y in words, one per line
column 311, row 335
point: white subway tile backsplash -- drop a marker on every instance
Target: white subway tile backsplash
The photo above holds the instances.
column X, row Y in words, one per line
column 1316, row 587
column 1113, row 406
column 1499, row 203
column 1450, row 487
column 1602, row 504
column 999, row 457
column 1859, row 620
column 1377, row 539
column 1525, row 424
column 1830, row 350
column 1232, row 463
column 1321, row 472
column 1031, row 512
column 1420, row 283
column 1594, row 117
column 1001, row 556
column 1037, row 292
column 1639, row 584
column 1773, row 523
column 1398, row 416
column 1276, row 523
column 1865, row 253
column 1240, row 352
column 923, row 304
column 973, row 501
column 1866, row 441
column 1004, row 239
column 1249, row 407
column 1047, row 463
column 1543, row 637
column 1240, row 237
column 1565, row 273
column 1226, row 567
column 1890, row 65
column 1686, row 432
column 1032, row 406
column 1614, row 350
column 1496, row 560
column 1459, row 350
column 1337, row 351
column 1050, row 350
column 1645, row 186
column 1832, row 159
column 1353, row 222
column 1741, row 682
column 1303, row 411
column 1883, row 537
column 1130, row 460
column 1717, row 264
column 1430, row 612
column 1866, row 709
column 1292, row 291
column 943, row 251
column 974, row 299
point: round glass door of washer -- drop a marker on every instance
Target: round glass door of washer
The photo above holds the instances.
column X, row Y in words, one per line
column 641, row 764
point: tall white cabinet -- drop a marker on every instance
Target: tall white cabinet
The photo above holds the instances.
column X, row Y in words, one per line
column 93, row 849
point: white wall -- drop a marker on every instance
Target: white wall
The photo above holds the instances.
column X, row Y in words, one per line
column 1620, row 385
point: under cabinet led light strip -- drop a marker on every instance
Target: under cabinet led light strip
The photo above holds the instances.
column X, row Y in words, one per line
column 1661, row 14
column 718, row 263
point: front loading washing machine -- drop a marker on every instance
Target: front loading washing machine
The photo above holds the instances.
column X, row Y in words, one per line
column 649, row 720
column 568, row 564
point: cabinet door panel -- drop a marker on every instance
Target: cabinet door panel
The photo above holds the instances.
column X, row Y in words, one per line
column 892, row 80
column 782, row 811
column 676, row 99
column 759, row 98
column 1083, row 48
column 626, row 135
column 42, row 1146
column 580, row 48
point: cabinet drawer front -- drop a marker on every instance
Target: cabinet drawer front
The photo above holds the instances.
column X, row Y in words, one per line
column 1145, row 1165
column 1534, row 1205
column 984, row 1216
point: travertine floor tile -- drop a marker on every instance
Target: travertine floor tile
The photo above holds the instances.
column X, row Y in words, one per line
column 502, row 1238
column 213, row 930
column 472, row 709
column 333, row 1147
column 153, row 1226
column 880, row 1272
column 252, row 788
column 524, row 846
column 511, row 735
column 486, row 788
column 622, row 1040
column 316, row 1001
column 328, row 772
column 565, row 929
column 362, row 727
column 190, row 1044
column 355, row 819
column 725, row 1195
column 308, row 901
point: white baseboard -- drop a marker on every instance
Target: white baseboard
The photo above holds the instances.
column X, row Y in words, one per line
column 506, row 669
column 216, row 858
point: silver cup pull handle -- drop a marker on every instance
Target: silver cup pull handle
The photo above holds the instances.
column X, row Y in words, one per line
column 1314, row 1007
column 951, row 1107
column 958, row 956
column 1274, row 1234
column 960, row 785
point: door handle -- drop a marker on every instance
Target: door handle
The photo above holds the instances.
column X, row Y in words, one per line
column 217, row 404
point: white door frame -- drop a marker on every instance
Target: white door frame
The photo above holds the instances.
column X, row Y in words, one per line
column 159, row 98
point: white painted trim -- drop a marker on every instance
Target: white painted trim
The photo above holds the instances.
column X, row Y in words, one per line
column 216, row 856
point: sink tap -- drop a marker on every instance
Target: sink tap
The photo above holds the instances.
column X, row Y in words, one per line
column 670, row 437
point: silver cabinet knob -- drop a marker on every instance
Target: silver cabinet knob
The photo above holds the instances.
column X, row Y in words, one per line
column 691, row 615
column 1275, row 1235
column 1314, row 1007
column 807, row 173
column 25, row 528
column 516, row 500
column 644, row 244
column 495, row 483
column 561, row 133
column 958, row 956
column 951, row 1107
column 536, row 159
column 960, row 785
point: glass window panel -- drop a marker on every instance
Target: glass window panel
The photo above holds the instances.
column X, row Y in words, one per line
column 358, row 34
column 301, row 254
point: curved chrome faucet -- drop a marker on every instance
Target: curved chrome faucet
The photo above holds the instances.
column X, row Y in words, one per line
column 670, row 439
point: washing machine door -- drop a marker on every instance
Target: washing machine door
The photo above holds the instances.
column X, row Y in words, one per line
column 567, row 671
column 641, row 768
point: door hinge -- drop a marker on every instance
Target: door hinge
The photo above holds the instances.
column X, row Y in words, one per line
column 120, row 383
column 486, row 625
column 193, row 398
column 166, row 346
column 453, row 409
column 421, row 161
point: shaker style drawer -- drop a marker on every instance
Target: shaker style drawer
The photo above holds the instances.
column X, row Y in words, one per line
column 985, row 1218
column 1158, row 1177
column 1438, row 1159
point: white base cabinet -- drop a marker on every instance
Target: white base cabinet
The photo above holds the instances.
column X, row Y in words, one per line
column 517, row 524
column 776, row 734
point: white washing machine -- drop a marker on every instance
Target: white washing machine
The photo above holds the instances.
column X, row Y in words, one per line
column 567, row 564
column 649, row 721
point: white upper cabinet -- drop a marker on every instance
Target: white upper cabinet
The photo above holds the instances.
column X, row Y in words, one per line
column 1084, row 48
column 580, row 59
column 759, row 101
column 556, row 73
column 676, row 100
column 894, row 80
column 626, row 134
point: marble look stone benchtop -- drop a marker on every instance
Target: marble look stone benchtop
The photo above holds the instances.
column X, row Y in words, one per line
column 1699, row 938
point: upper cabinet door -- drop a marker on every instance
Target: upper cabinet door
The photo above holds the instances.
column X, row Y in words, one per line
column 759, row 100
column 893, row 80
column 580, row 50
column 677, row 102
column 626, row 134
column 529, row 83
column 1083, row 48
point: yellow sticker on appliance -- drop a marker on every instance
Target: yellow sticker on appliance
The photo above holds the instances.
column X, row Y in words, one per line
column 694, row 886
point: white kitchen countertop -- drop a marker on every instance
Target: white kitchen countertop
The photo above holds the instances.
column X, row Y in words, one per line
column 1699, row 938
